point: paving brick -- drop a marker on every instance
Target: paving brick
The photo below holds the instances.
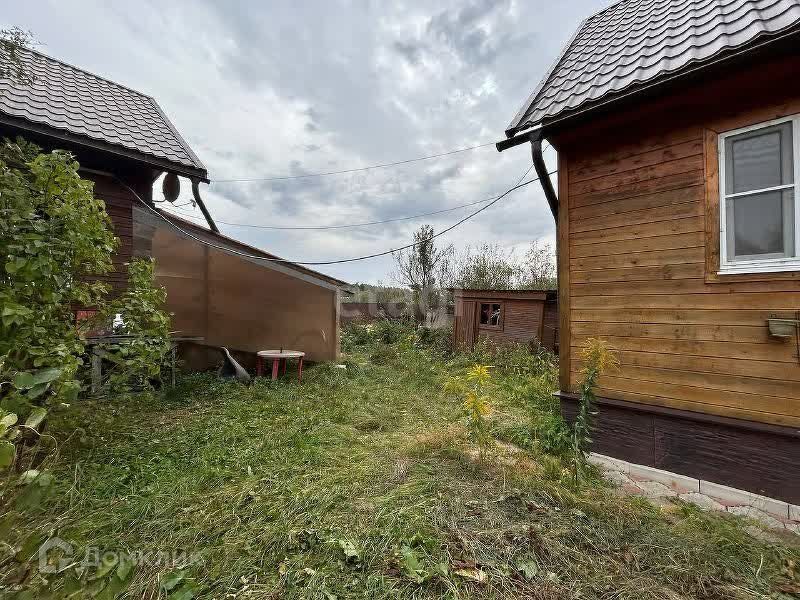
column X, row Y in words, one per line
column 655, row 489
column 732, row 497
column 794, row 512
column 631, row 488
column 703, row 501
column 617, row 477
column 678, row 483
column 609, row 463
column 757, row 515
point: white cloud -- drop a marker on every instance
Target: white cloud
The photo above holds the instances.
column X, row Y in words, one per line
column 261, row 89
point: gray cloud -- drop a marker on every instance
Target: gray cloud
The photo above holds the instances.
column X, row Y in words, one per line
column 280, row 88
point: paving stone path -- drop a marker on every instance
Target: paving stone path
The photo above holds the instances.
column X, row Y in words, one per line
column 662, row 486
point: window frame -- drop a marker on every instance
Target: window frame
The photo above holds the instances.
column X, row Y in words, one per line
column 759, row 265
column 500, row 319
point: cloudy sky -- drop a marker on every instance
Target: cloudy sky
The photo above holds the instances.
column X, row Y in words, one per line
column 264, row 89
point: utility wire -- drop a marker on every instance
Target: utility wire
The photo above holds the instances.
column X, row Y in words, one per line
column 332, row 262
column 346, row 226
column 350, row 225
column 378, row 166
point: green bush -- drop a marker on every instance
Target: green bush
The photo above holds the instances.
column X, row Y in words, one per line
column 552, row 434
column 55, row 239
column 383, row 354
column 438, row 341
column 139, row 361
column 356, row 334
column 391, row 331
column 54, row 235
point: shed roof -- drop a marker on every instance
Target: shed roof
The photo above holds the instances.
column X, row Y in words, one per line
column 634, row 44
column 70, row 103
column 236, row 245
column 503, row 294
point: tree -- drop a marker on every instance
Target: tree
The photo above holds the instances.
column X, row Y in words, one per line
column 489, row 266
column 538, row 269
column 485, row 267
column 422, row 267
column 11, row 65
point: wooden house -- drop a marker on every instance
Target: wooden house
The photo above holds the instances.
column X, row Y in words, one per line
column 219, row 289
column 505, row 316
column 677, row 126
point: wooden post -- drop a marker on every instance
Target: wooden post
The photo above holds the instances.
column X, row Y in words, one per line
column 174, row 351
column 97, row 371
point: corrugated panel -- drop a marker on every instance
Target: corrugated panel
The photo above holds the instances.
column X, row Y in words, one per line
column 77, row 102
column 637, row 42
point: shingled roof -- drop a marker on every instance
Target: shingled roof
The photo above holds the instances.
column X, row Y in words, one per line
column 635, row 44
column 69, row 103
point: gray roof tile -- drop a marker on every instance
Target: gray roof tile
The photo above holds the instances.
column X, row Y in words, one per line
column 77, row 102
column 639, row 42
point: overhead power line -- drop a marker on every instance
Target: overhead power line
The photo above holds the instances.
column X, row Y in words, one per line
column 344, row 226
column 332, row 262
column 356, row 170
column 347, row 226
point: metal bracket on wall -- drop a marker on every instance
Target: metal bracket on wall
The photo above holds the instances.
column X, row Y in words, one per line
column 786, row 328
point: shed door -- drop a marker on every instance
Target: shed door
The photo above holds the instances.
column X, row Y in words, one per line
column 465, row 327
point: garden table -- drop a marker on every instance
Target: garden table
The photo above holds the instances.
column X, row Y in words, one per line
column 96, row 342
column 279, row 357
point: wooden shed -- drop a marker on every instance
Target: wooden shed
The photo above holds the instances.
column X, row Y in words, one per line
column 504, row 316
column 678, row 225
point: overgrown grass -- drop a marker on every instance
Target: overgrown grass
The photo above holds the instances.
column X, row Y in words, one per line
column 362, row 483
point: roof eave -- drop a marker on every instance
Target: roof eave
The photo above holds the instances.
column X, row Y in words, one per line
column 665, row 79
column 149, row 160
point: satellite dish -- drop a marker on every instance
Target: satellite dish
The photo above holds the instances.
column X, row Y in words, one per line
column 171, row 187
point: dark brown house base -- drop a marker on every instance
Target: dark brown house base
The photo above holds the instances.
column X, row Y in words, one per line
column 756, row 457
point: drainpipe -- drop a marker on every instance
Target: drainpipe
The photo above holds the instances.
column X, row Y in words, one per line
column 199, row 200
column 535, row 138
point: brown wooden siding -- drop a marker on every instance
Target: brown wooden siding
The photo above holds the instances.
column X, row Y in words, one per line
column 633, row 257
column 550, row 325
column 527, row 316
column 119, row 206
column 522, row 323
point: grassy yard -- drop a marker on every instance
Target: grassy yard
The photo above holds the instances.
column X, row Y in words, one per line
column 360, row 482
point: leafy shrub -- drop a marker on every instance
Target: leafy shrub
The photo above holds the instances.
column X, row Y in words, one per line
column 390, row 331
column 55, row 238
column 54, row 235
column 383, row 354
column 516, row 358
column 438, row 341
column 598, row 357
column 552, row 434
column 138, row 361
column 356, row 334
